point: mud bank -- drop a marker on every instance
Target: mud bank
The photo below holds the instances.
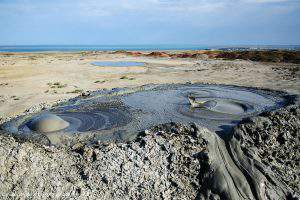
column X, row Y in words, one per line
column 169, row 161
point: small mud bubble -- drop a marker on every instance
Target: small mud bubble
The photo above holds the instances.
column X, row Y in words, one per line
column 229, row 107
column 47, row 123
column 226, row 106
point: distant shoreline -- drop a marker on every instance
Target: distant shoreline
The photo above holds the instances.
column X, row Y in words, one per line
column 78, row 48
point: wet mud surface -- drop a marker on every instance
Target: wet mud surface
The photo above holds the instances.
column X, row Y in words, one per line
column 120, row 114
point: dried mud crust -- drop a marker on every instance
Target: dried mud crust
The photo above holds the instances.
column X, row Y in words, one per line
column 169, row 161
column 273, row 138
column 163, row 163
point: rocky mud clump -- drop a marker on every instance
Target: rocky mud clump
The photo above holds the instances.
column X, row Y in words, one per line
column 273, row 138
column 169, row 161
column 163, row 163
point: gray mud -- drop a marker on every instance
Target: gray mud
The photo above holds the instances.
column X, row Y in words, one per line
column 259, row 160
column 104, row 152
column 273, row 140
column 120, row 114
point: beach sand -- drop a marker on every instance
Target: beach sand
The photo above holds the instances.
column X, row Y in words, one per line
column 29, row 79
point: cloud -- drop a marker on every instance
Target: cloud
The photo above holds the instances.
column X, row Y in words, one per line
column 112, row 6
column 278, row 2
column 190, row 11
column 125, row 21
column 268, row 1
column 98, row 7
column 115, row 7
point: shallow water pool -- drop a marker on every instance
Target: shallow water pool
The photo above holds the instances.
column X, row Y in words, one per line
column 118, row 64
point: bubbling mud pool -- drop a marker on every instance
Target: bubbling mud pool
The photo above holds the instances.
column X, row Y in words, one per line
column 120, row 114
column 118, row 64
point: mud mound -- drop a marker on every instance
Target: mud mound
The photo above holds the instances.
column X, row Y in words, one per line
column 169, row 161
column 121, row 113
column 274, row 138
column 47, row 123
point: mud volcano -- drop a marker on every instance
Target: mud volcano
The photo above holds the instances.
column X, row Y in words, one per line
column 47, row 123
column 118, row 64
column 120, row 114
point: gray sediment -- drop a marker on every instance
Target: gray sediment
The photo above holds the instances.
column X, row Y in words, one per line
column 256, row 159
column 169, row 161
column 120, row 114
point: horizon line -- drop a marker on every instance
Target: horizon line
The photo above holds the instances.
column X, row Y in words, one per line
column 174, row 44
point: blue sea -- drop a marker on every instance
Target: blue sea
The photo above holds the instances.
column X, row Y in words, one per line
column 72, row 48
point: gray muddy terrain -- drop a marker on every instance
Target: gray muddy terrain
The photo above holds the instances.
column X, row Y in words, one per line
column 257, row 159
column 120, row 114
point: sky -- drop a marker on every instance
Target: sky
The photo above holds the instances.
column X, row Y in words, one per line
column 133, row 22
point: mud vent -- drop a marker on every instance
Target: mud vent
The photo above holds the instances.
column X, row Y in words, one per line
column 121, row 113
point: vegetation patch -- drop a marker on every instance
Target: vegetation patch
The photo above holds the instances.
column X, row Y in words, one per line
column 75, row 91
column 127, row 78
column 57, row 85
column 102, row 81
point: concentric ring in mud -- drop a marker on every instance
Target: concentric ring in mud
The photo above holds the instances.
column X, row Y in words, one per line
column 69, row 121
column 121, row 114
column 218, row 109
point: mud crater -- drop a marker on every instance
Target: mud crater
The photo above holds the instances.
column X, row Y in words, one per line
column 120, row 114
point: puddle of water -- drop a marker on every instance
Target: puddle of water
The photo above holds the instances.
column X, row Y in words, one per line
column 118, row 64
column 116, row 115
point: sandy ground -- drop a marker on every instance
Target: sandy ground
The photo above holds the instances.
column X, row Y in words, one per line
column 28, row 79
